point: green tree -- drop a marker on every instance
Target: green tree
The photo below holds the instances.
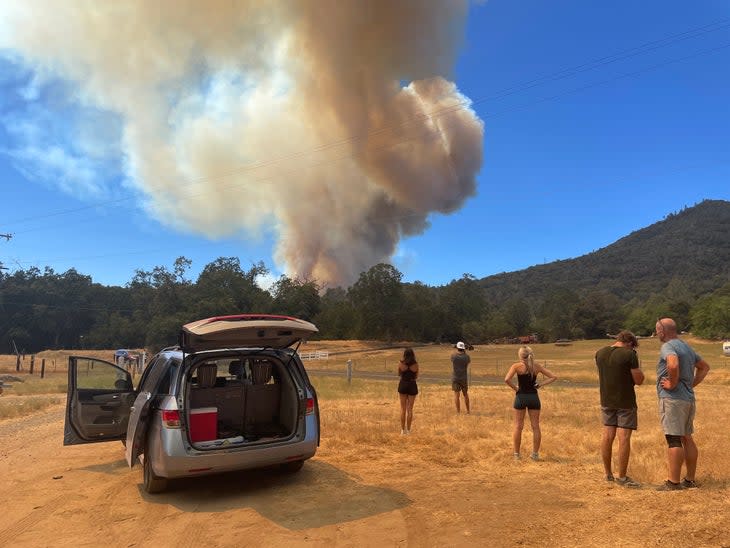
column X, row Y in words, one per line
column 460, row 302
column 711, row 315
column 377, row 297
column 295, row 297
column 336, row 319
column 556, row 315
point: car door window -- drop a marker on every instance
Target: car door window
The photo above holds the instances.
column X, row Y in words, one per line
column 158, row 376
column 95, row 374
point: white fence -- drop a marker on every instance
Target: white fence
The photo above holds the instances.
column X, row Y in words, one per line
column 316, row 355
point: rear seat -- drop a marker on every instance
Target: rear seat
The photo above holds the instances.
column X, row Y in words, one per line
column 228, row 398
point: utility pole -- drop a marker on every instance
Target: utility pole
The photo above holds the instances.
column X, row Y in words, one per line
column 7, row 237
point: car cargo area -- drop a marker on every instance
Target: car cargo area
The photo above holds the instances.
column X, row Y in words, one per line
column 241, row 400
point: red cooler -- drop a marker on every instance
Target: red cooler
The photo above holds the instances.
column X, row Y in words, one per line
column 203, row 424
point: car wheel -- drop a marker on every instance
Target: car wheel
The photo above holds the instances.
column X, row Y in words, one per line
column 152, row 482
column 292, row 467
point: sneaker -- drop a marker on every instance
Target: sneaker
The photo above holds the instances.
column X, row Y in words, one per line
column 688, row 484
column 627, row 482
column 403, row 432
column 517, row 456
column 670, row 486
column 609, row 477
column 535, row 456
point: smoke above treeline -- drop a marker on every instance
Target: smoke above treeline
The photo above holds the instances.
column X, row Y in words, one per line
column 331, row 125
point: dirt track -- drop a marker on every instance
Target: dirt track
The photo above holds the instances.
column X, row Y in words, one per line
column 86, row 496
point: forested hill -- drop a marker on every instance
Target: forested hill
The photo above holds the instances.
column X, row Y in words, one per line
column 687, row 254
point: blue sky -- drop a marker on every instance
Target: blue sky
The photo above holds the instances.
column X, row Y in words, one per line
column 600, row 118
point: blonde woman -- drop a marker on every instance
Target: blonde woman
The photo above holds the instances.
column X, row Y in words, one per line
column 526, row 397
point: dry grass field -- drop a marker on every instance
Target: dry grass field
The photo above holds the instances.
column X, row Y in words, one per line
column 453, row 481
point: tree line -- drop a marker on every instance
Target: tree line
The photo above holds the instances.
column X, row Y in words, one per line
column 49, row 310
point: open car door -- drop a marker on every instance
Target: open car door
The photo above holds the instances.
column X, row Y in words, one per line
column 98, row 401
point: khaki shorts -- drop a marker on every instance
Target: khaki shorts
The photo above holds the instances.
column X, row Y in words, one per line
column 620, row 418
column 457, row 386
column 676, row 416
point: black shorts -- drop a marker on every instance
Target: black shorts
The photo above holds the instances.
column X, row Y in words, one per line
column 527, row 401
column 409, row 388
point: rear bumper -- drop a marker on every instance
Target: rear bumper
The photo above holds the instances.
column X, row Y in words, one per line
column 171, row 458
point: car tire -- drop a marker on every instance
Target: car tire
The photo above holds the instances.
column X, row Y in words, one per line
column 292, row 467
column 152, row 482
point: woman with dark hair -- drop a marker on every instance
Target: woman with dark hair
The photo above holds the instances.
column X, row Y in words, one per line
column 407, row 389
column 526, row 398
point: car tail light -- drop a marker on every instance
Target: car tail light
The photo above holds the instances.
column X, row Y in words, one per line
column 310, row 406
column 171, row 418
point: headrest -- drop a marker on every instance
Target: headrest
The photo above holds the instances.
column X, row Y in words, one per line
column 207, row 374
column 235, row 368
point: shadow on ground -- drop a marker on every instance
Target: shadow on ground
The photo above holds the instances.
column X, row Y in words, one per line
column 319, row 495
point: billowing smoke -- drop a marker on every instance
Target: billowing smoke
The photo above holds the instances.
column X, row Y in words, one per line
column 330, row 124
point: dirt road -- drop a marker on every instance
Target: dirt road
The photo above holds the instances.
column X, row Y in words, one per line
column 87, row 496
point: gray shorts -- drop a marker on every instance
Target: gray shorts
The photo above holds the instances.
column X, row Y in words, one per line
column 460, row 386
column 676, row 416
column 620, row 418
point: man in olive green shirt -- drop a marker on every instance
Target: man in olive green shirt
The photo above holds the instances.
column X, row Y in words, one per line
column 618, row 373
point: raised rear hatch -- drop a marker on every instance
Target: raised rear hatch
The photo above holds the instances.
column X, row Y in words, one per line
column 244, row 330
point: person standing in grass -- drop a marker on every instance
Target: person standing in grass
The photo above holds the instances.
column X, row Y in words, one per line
column 618, row 373
column 678, row 371
column 407, row 389
column 459, row 378
column 527, row 398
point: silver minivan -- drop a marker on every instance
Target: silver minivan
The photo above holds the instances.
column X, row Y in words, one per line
column 233, row 395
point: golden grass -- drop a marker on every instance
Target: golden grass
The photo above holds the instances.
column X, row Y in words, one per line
column 361, row 423
column 361, row 420
column 574, row 363
column 14, row 406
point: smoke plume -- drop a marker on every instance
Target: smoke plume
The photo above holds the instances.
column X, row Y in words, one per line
column 330, row 124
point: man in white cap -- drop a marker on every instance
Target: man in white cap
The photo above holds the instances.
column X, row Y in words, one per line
column 459, row 378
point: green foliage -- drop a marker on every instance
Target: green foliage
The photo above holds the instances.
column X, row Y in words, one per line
column 679, row 267
column 377, row 298
column 711, row 315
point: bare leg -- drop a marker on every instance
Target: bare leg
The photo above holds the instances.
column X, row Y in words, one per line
column 624, row 450
column 409, row 414
column 466, row 401
column 536, row 434
column 456, row 400
column 403, row 407
column 517, row 433
column 675, row 458
column 609, row 434
column 690, row 456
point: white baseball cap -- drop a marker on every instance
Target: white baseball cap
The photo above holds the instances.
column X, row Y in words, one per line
column 461, row 346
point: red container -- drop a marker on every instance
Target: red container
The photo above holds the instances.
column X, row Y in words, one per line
column 203, row 424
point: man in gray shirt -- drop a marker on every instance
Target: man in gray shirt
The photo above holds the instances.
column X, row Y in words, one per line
column 459, row 377
column 679, row 371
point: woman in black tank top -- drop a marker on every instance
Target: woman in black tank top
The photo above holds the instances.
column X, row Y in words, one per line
column 407, row 389
column 526, row 397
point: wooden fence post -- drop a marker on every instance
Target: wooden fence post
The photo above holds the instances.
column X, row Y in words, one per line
column 17, row 362
column 43, row 368
column 349, row 371
column 32, row 363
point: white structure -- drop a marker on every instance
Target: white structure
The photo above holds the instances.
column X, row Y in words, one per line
column 726, row 348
